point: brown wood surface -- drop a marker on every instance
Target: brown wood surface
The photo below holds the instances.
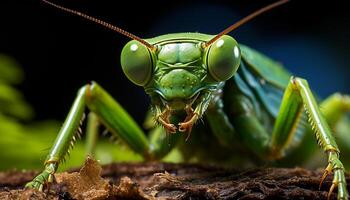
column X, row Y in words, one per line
column 171, row 181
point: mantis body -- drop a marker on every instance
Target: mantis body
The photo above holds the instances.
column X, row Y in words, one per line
column 249, row 104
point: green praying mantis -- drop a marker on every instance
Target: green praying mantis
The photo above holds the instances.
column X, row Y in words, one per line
column 250, row 105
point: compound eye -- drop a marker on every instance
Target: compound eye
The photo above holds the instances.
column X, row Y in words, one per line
column 223, row 58
column 136, row 61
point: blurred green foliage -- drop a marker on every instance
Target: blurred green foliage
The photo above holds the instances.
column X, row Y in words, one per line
column 24, row 143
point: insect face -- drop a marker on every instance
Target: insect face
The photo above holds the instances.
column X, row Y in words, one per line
column 181, row 75
column 178, row 70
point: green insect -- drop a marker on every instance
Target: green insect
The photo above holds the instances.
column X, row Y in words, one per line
column 250, row 105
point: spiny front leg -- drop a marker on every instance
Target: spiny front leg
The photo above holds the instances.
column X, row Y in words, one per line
column 325, row 139
column 297, row 96
column 64, row 141
column 111, row 115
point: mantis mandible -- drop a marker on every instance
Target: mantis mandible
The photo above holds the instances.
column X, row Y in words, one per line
column 249, row 103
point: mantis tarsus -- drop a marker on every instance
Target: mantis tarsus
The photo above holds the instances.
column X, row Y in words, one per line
column 245, row 99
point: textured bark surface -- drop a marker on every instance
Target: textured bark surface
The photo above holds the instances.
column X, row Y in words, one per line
column 171, row 181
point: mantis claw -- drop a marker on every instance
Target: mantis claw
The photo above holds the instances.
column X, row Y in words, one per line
column 190, row 120
column 339, row 181
column 331, row 191
column 163, row 118
column 171, row 128
column 38, row 182
column 325, row 174
column 44, row 178
column 187, row 125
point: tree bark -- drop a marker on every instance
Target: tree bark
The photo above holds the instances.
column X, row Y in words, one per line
column 171, row 181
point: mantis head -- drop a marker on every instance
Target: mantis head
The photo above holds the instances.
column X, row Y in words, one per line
column 182, row 73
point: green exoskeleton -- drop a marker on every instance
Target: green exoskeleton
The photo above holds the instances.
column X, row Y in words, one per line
column 250, row 105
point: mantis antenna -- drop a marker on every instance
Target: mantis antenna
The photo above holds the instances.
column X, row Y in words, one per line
column 244, row 20
column 103, row 23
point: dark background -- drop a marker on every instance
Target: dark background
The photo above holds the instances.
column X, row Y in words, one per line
column 60, row 52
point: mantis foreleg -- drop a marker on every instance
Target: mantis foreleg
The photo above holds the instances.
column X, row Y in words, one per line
column 296, row 97
column 111, row 115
